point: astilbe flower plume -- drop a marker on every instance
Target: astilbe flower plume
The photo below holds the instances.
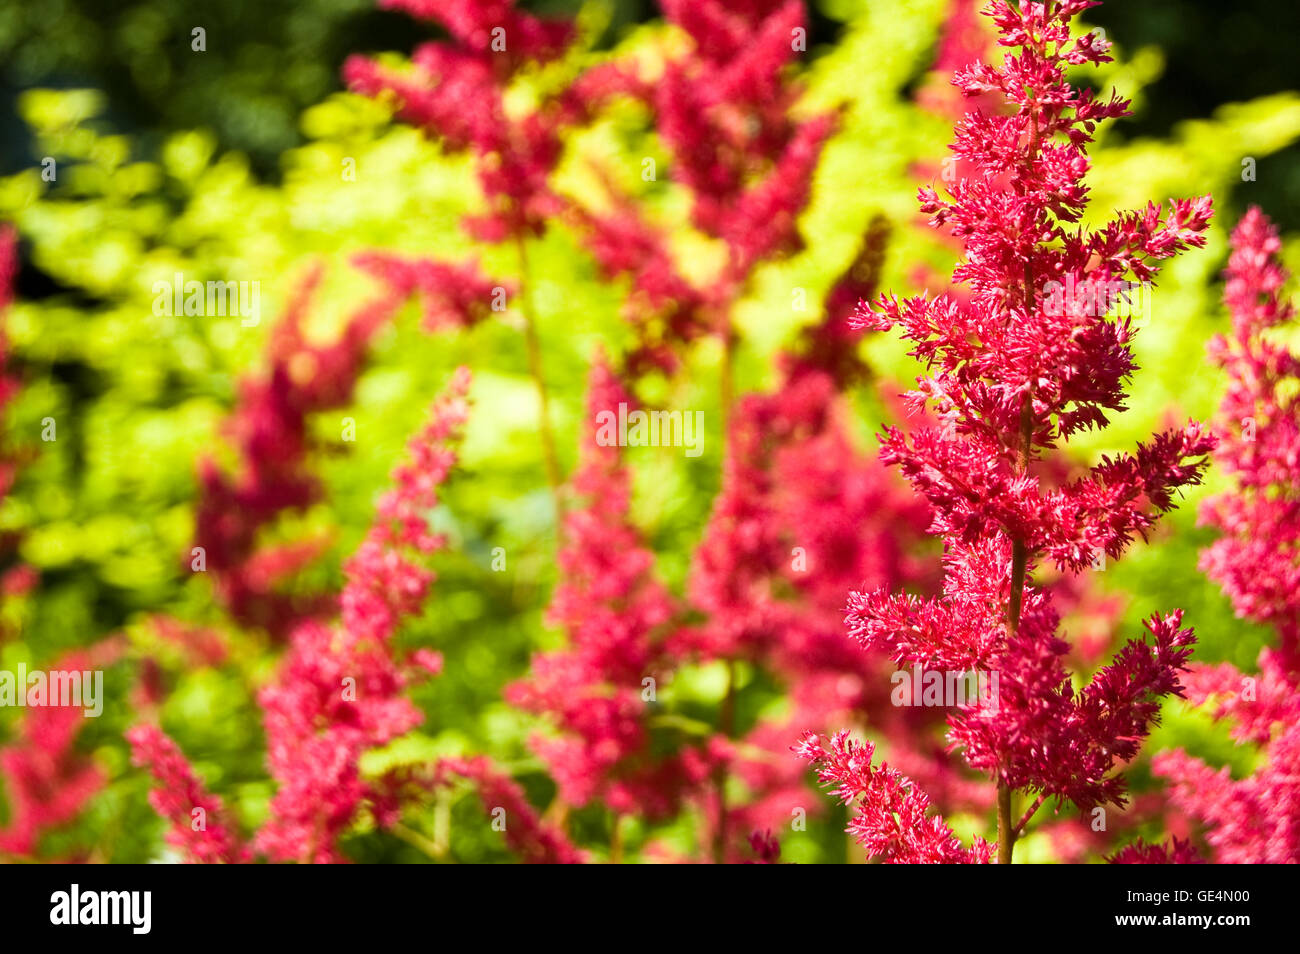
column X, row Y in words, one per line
column 1254, row 819
column 532, row 839
column 615, row 613
column 47, row 779
column 455, row 90
column 269, row 431
column 1009, row 375
column 1259, row 422
column 340, row 688
column 455, row 295
column 724, row 112
column 891, row 820
column 204, row 837
column 665, row 310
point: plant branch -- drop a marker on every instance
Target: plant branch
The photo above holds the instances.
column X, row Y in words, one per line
column 1029, row 813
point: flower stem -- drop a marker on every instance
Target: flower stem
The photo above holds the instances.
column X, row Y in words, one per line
column 1006, row 835
column 616, row 840
column 1019, row 549
column 1029, row 813
column 550, row 457
column 726, row 381
column 728, row 725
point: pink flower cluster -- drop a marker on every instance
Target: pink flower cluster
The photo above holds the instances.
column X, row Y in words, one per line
column 340, row 690
column 892, row 819
column 527, row 835
column 725, row 115
column 1007, row 379
column 723, row 112
column 615, row 613
column 270, row 433
column 456, row 91
column 1260, row 443
column 1255, row 819
column 48, row 780
column 197, row 819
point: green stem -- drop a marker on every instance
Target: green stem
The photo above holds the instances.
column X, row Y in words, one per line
column 550, row 457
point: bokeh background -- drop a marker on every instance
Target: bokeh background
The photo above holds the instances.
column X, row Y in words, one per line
column 227, row 163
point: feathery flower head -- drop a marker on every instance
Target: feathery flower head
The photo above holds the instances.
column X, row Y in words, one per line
column 892, row 821
column 196, row 817
column 1012, row 370
column 1259, row 428
column 527, row 835
column 1255, row 819
column 340, row 689
column 614, row 611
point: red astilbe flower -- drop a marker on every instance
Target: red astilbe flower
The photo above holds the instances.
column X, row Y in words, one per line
column 665, row 310
column 339, row 691
column 831, row 344
column 455, row 90
column 47, row 780
column 725, row 115
column 203, row 838
column 269, row 432
column 614, row 611
column 1012, row 371
column 892, row 820
column 723, row 111
column 535, row 841
column 1177, row 852
column 1259, row 423
column 454, row 295
column 1255, row 819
